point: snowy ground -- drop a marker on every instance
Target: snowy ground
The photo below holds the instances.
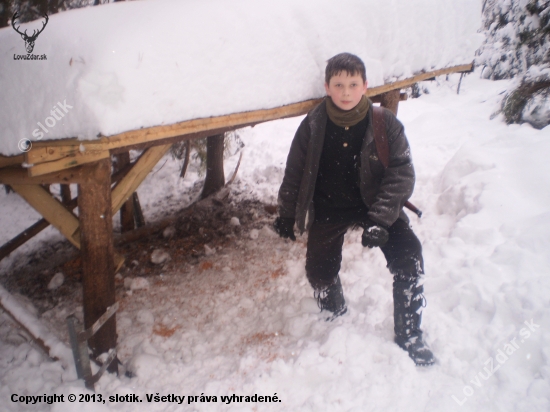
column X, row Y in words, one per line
column 242, row 320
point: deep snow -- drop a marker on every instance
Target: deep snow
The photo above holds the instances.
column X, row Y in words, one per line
column 248, row 325
column 128, row 65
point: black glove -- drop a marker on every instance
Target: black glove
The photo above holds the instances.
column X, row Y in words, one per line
column 284, row 226
column 374, row 234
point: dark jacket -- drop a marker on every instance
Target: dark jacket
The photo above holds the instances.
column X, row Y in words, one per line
column 384, row 191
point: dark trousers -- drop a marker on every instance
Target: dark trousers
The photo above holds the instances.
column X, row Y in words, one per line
column 403, row 252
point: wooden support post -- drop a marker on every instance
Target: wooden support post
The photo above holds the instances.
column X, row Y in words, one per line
column 65, row 194
column 215, row 178
column 127, row 209
column 138, row 213
column 390, row 100
column 96, row 241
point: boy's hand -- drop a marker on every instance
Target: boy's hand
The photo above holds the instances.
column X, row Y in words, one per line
column 284, row 226
column 374, row 235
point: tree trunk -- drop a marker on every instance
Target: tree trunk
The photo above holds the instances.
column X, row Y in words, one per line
column 215, row 178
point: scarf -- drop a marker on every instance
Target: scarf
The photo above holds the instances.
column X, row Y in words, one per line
column 347, row 118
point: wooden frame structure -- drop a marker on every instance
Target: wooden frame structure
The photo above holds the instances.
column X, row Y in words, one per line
column 88, row 164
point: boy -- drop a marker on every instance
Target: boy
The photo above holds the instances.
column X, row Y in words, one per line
column 335, row 180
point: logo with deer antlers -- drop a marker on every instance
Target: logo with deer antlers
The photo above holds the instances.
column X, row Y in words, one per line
column 29, row 40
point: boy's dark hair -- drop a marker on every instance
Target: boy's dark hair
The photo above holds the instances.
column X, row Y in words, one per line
column 345, row 62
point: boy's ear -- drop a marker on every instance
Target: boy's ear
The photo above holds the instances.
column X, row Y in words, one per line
column 326, row 88
column 365, row 87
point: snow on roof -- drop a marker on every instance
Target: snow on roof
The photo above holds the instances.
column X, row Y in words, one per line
column 129, row 65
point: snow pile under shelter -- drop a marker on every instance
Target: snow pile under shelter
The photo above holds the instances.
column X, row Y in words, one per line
column 132, row 65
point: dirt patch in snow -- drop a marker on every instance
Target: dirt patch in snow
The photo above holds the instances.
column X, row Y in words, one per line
column 213, row 265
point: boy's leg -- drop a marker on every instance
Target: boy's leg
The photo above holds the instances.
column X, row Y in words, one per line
column 323, row 259
column 403, row 253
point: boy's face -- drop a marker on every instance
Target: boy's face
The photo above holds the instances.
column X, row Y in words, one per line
column 345, row 90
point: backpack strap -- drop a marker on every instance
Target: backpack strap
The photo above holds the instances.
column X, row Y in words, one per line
column 380, row 136
column 383, row 146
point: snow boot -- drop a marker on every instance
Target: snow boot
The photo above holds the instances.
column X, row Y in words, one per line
column 332, row 299
column 408, row 302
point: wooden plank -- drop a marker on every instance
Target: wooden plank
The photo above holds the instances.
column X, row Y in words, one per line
column 401, row 84
column 235, row 120
column 40, row 154
column 80, row 158
column 20, row 176
column 98, row 272
column 51, row 209
column 127, row 185
column 6, row 161
column 154, row 133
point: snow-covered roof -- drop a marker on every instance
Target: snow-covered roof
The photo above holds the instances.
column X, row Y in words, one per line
column 129, row 65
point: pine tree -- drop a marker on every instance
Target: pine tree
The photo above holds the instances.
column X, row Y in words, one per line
column 517, row 46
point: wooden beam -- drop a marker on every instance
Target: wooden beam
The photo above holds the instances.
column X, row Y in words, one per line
column 129, row 183
column 42, row 224
column 20, row 176
column 39, row 154
column 23, row 237
column 98, row 271
column 11, row 160
column 401, row 84
column 56, row 214
column 88, row 156
column 51, row 150
column 51, row 209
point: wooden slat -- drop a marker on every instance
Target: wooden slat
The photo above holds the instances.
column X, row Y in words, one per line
column 20, row 176
column 88, row 156
column 39, row 154
column 51, row 209
column 124, row 189
column 401, row 84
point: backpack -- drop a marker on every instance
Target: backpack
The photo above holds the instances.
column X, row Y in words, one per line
column 383, row 147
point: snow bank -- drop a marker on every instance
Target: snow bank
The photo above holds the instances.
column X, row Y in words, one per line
column 129, row 65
